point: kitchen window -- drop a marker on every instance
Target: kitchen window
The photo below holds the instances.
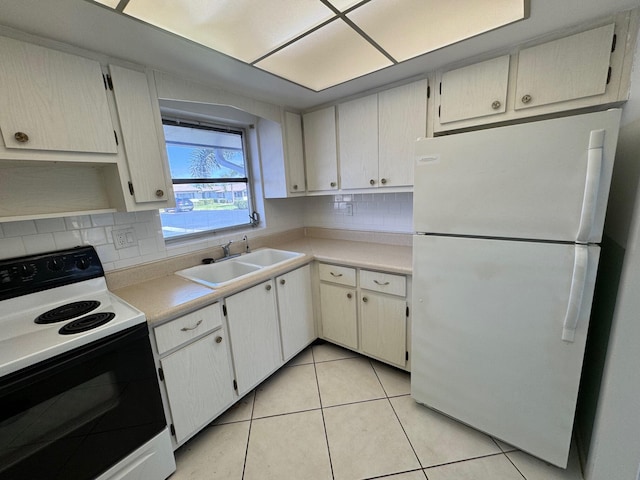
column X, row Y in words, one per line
column 210, row 177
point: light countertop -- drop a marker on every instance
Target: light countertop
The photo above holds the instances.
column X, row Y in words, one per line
column 170, row 296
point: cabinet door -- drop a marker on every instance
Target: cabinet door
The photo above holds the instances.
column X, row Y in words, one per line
column 295, row 306
column 339, row 320
column 384, row 327
column 402, row 118
column 50, row 100
column 198, row 382
column 294, row 152
column 255, row 339
column 474, row 91
column 358, row 142
column 143, row 140
column 565, row 69
column 320, row 149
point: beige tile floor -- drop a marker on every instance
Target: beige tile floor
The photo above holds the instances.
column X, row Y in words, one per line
column 333, row 414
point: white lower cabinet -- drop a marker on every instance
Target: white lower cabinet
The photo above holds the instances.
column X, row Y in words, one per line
column 339, row 317
column 384, row 327
column 198, row 382
column 295, row 306
column 255, row 339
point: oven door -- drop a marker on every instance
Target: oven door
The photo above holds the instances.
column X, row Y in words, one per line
column 77, row 414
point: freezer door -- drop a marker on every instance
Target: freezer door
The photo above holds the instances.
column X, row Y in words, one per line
column 489, row 336
column 546, row 180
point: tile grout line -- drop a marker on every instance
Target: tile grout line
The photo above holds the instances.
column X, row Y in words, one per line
column 324, row 425
column 514, row 465
column 246, row 451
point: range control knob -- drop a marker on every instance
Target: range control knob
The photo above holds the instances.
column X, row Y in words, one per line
column 83, row 263
column 55, row 264
column 26, row 270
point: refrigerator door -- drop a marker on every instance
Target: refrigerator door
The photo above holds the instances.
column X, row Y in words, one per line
column 546, row 180
column 489, row 335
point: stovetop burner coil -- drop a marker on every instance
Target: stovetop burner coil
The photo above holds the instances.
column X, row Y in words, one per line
column 87, row 323
column 68, row 311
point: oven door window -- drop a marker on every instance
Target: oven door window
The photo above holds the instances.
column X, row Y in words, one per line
column 76, row 415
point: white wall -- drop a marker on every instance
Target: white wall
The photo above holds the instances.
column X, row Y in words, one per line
column 614, row 453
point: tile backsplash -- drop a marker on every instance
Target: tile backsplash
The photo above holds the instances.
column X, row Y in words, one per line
column 378, row 212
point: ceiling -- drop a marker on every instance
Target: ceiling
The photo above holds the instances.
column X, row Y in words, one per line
column 98, row 28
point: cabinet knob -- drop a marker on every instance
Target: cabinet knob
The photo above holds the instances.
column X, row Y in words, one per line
column 372, row 182
column 21, row 137
column 349, row 295
column 496, row 105
column 365, row 299
column 526, row 98
column 295, row 187
column 159, row 193
column 218, row 339
column 383, row 181
column 268, row 287
column 282, row 281
column 333, row 184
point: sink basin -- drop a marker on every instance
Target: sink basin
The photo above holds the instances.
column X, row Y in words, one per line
column 268, row 257
column 219, row 274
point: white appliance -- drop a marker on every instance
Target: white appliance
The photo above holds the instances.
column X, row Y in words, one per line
column 505, row 255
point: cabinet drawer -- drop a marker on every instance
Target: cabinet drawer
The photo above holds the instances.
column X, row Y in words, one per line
column 337, row 274
column 383, row 282
column 187, row 327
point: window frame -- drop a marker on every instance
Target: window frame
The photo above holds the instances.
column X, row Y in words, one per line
column 253, row 218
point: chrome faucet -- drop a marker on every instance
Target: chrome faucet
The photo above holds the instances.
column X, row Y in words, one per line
column 247, row 249
column 225, row 249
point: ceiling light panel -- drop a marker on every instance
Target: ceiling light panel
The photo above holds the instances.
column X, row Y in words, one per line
column 326, row 57
column 408, row 28
column 243, row 29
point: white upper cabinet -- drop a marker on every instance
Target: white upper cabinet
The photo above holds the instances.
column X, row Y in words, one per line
column 294, row 152
column 565, row 69
column 474, row 91
column 402, row 118
column 321, row 157
column 142, row 136
column 358, row 142
column 50, row 100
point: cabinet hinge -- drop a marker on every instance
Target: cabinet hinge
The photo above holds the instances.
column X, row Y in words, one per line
column 438, row 110
column 161, row 374
column 108, row 83
column 224, row 310
column 613, row 43
column 235, row 385
column 173, row 430
column 407, row 311
column 440, row 88
column 608, row 75
column 406, row 356
column 131, row 188
column 428, row 91
column 116, row 135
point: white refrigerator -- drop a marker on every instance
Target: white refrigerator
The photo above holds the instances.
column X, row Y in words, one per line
column 505, row 254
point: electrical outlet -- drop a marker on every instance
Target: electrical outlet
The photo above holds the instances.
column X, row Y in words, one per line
column 124, row 238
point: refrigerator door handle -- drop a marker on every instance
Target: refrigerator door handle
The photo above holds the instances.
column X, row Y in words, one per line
column 578, row 283
column 592, row 184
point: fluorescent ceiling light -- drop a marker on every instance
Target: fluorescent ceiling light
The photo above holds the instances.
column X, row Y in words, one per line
column 321, row 43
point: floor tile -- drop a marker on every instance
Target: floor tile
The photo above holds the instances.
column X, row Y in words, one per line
column 415, row 475
column 346, row 381
column 288, row 447
column 302, row 358
column 438, row 439
column 534, row 469
column 366, row 440
column 289, row 390
column 328, row 351
column 217, row 452
column 394, row 381
column 239, row 411
column 495, row 467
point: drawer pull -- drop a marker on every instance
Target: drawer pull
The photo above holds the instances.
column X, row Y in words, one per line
column 186, row 329
column 335, row 274
column 380, row 283
column 218, row 339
